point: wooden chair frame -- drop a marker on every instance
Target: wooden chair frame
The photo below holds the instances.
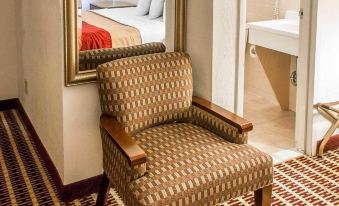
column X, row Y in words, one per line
column 332, row 114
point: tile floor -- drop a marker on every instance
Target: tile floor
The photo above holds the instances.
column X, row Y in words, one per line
column 273, row 128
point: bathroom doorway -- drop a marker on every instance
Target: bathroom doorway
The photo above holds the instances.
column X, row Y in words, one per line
column 270, row 80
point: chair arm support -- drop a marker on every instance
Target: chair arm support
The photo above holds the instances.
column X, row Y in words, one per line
column 238, row 122
column 124, row 141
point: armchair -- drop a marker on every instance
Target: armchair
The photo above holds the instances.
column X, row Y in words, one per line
column 162, row 146
column 91, row 59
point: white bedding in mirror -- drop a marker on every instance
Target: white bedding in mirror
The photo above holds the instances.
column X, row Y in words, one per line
column 143, row 7
column 151, row 30
column 156, row 9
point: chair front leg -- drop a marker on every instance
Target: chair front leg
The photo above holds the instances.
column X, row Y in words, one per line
column 263, row 196
column 103, row 191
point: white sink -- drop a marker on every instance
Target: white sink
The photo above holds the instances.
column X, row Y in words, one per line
column 281, row 35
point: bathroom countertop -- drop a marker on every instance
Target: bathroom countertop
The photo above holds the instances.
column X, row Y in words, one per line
column 286, row 27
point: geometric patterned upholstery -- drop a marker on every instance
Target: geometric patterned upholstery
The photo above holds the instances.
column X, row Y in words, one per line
column 217, row 126
column 145, row 91
column 91, row 59
column 189, row 165
column 117, row 165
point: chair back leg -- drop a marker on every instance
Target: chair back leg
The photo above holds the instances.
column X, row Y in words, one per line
column 103, row 191
column 263, row 196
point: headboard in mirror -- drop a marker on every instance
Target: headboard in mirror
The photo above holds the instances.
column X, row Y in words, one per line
column 99, row 31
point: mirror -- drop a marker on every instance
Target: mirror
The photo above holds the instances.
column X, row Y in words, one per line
column 95, row 27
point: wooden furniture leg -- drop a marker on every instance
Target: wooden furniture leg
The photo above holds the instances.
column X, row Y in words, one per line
column 104, row 191
column 331, row 114
column 263, row 196
column 327, row 136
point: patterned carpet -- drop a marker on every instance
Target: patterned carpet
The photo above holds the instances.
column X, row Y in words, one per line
column 24, row 179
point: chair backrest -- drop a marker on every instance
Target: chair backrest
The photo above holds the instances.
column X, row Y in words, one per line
column 91, row 59
column 147, row 90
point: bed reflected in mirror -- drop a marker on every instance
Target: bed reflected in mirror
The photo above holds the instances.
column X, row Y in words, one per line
column 105, row 25
column 99, row 31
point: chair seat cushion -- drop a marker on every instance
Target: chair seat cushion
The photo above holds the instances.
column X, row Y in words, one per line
column 190, row 165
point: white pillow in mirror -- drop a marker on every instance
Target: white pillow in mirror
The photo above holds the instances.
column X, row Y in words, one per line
column 157, row 8
column 143, row 7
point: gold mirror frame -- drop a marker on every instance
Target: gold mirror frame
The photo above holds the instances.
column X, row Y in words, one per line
column 72, row 74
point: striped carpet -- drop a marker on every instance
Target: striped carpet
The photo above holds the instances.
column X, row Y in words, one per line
column 24, row 179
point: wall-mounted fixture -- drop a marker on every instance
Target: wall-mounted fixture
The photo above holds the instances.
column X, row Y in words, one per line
column 293, row 78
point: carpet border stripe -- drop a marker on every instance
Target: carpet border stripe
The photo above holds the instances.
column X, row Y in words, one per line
column 66, row 192
column 18, row 158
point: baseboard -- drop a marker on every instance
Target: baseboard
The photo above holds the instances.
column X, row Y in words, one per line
column 8, row 104
column 66, row 192
column 81, row 188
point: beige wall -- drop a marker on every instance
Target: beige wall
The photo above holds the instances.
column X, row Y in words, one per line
column 82, row 141
column 212, row 42
column 200, row 45
column 41, row 58
column 169, row 14
column 285, row 5
column 255, row 77
column 225, row 52
column 259, row 10
column 8, row 51
column 66, row 118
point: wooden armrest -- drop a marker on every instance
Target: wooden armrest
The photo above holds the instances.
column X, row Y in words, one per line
column 240, row 123
column 124, row 141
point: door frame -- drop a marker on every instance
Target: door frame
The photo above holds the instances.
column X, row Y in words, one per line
column 306, row 69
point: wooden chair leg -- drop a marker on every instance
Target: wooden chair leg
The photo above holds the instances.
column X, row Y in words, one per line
column 263, row 196
column 327, row 136
column 103, row 191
